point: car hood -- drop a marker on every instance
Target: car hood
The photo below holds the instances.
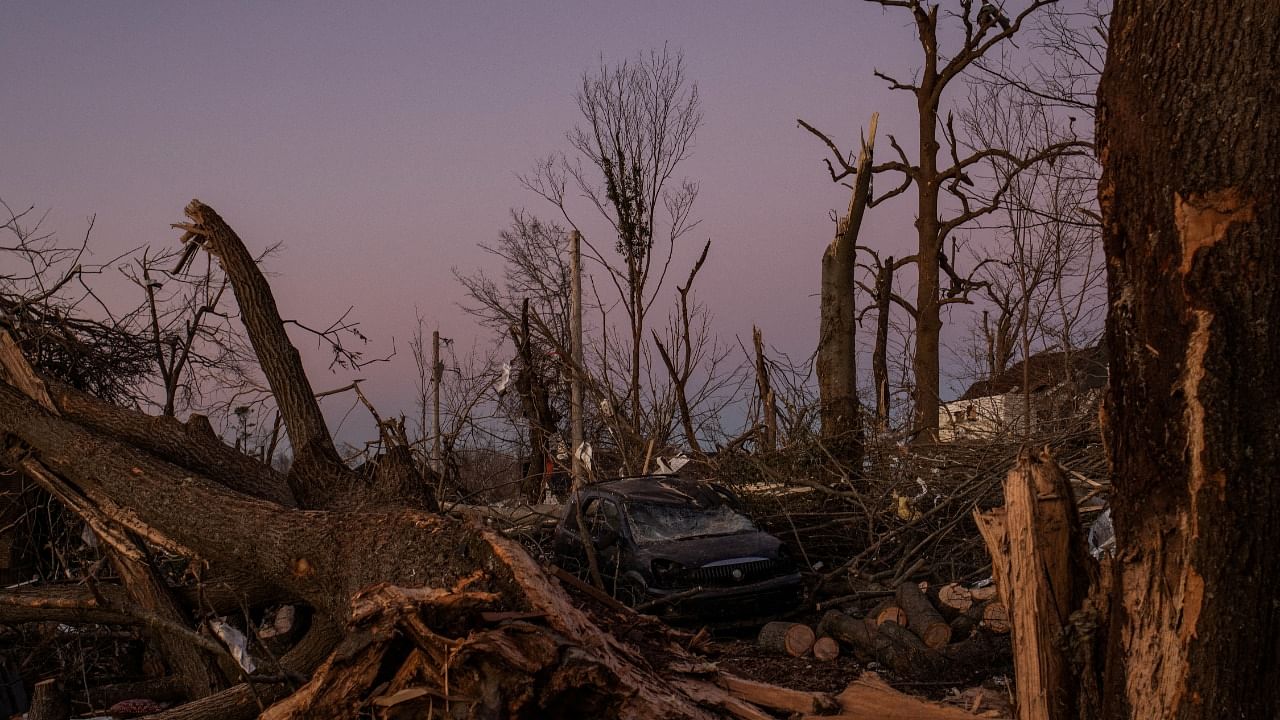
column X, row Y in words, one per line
column 698, row 551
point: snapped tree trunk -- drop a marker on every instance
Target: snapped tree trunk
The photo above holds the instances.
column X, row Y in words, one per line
column 1190, row 144
column 837, row 351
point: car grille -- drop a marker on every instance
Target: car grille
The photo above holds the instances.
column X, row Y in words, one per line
column 731, row 574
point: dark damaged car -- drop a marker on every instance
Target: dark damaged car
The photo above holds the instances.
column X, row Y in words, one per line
column 680, row 547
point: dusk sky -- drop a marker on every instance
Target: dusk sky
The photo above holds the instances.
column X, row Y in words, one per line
column 381, row 141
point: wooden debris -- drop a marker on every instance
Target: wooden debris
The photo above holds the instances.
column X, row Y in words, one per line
column 779, row 698
column 871, row 697
column 826, row 649
column 1033, row 544
column 890, row 644
column 888, row 611
column 794, row 639
column 950, row 599
column 995, row 617
column 922, row 618
column 47, row 702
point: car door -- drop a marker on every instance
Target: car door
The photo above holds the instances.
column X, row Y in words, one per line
column 603, row 522
column 604, row 529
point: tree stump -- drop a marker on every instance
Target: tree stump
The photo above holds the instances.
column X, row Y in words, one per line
column 47, row 702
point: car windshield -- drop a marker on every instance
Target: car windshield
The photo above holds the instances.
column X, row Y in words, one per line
column 654, row 522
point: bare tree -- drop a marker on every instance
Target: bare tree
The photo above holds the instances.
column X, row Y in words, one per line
column 983, row 30
column 639, row 120
column 1042, row 273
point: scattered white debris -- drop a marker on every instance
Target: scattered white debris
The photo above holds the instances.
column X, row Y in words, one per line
column 236, row 642
column 584, row 454
column 281, row 623
column 504, row 380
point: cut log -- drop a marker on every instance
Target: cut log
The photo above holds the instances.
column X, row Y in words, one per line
column 963, row 625
column 890, row 644
column 888, row 611
column 871, row 697
column 950, row 599
column 984, row 593
column 856, row 633
column 995, row 617
column 794, row 639
column 826, row 649
column 922, row 618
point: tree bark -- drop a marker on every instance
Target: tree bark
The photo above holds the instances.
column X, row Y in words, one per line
column 1190, row 145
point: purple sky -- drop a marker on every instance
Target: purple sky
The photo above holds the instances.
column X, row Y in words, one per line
column 380, row 141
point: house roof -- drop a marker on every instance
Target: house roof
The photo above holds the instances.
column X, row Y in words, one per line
column 1087, row 367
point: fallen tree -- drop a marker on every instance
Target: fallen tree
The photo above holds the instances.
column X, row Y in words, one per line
column 408, row 610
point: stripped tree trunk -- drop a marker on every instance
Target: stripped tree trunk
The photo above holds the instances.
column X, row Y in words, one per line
column 1190, row 144
column 880, row 353
column 768, row 402
column 837, row 351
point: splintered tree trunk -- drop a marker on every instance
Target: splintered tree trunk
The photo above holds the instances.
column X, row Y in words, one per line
column 880, row 353
column 1190, row 143
column 768, row 403
column 1039, row 559
column 837, row 351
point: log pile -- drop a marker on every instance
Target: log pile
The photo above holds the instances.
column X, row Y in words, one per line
column 938, row 633
column 400, row 611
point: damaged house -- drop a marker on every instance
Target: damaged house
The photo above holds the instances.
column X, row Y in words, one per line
column 1065, row 388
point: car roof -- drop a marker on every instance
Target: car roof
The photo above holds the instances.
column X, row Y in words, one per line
column 664, row 489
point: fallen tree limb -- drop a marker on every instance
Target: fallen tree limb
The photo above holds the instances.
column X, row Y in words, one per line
column 62, row 603
column 778, row 698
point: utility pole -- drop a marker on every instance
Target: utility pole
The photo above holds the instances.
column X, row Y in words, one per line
column 575, row 398
column 575, row 349
column 437, row 371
